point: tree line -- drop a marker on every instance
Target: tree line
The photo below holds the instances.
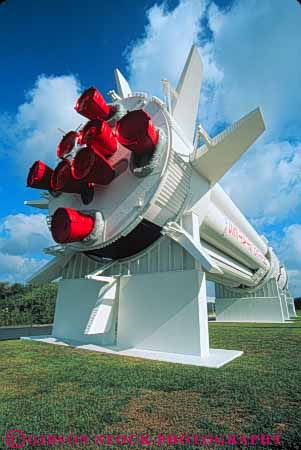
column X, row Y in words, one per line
column 27, row 304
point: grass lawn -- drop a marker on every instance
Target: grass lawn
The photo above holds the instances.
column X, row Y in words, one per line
column 52, row 389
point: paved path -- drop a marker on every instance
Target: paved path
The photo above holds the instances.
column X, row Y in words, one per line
column 19, row 331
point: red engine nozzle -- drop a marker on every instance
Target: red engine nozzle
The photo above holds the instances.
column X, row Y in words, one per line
column 67, row 143
column 92, row 167
column 92, row 105
column 69, row 225
column 99, row 136
column 62, row 179
column 39, row 176
column 137, row 132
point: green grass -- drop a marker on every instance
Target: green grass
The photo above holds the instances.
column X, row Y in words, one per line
column 52, row 389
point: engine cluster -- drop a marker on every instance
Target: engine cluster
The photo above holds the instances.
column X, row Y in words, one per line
column 85, row 159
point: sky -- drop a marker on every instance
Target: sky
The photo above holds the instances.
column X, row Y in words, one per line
column 52, row 50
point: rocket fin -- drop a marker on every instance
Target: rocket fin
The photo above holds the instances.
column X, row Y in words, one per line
column 41, row 203
column 51, row 271
column 185, row 106
column 123, row 86
column 216, row 157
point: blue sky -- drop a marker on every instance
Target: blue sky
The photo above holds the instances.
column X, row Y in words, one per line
column 53, row 49
column 53, row 37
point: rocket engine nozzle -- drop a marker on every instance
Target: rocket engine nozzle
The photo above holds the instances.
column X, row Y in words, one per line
column 69, row 225
column 92, row 105
column 67, row 143
column 93, row 167
column 39, row 176
column 137, row 132
column 99, row 136
column 62, row 179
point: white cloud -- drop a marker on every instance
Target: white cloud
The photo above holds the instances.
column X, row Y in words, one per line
column 162, row 51
column 271, row 176
column 289, row 247
column 33, row 132
column 24, row 234
column 251, row 59
column 22, row 238
column 16, row 268
column 256, row 44
column 215, row 18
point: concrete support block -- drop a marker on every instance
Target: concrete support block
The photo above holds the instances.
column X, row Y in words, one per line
column 250, row 309
column 164, row 312
column 160, row 316
column 86, row 311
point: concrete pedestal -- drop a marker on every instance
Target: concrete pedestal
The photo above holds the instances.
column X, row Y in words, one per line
column 250, row 309
column 160, row 316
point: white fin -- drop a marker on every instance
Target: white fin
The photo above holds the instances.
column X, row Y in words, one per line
column 40, row 203
column 216, row 157
column 123, row 86
column 51, row 271
column 185, row 107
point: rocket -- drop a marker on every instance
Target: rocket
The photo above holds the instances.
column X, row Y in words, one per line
column 140, row 169
column 141, row 223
